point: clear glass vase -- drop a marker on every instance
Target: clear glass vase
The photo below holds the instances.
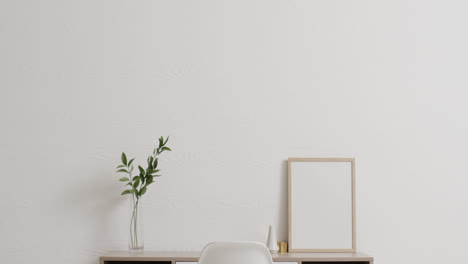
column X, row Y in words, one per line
column 136, row 242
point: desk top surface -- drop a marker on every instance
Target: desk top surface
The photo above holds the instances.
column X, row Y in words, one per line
column 193, row 256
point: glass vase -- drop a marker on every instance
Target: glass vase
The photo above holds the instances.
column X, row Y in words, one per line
column 136, row 242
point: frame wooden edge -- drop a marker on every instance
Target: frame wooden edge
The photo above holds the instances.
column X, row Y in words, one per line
column 353, row 205
column 289, row 204
column 353, row 197
column 324, row 250
column 322, row 160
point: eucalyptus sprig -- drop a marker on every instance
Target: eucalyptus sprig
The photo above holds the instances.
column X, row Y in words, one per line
column 138, row 183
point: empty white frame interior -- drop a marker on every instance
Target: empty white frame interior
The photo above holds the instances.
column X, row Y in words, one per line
column 321, row 205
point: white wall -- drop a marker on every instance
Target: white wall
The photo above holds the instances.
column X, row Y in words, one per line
column 239, row 86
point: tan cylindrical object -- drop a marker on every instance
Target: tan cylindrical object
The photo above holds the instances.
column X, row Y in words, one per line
column 282, row 247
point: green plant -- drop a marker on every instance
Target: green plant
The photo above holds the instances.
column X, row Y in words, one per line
column 138, row 185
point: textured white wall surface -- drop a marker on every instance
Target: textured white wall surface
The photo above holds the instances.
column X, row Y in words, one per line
column 239, row 86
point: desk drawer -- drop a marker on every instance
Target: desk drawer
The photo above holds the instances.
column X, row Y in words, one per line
column 275, row 262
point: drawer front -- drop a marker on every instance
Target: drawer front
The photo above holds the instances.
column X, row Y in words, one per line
column 275, row 262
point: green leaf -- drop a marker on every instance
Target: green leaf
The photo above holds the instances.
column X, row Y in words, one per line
column 124, row 179
column 154, row 171
column 124, row 158
column 136, row 183
column 121, row 166
column 126, row 192
column 167, row 139
column 130, row 162
column 142, row 171
column 161, row 141
column 149, row 180
column 122, row 170
column 136, row 178
column 143, row 190
column 129, row 183
column 166, row 148
column 150, row 163
column 155, row 163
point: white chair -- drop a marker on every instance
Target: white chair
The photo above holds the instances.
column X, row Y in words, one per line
column 235, row 253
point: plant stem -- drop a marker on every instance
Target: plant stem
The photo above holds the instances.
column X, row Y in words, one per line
column 135, row 224
column 132, row 244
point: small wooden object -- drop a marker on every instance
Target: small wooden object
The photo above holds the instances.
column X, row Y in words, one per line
column 282, row 247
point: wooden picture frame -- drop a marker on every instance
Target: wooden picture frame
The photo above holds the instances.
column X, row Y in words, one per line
column 321, row 205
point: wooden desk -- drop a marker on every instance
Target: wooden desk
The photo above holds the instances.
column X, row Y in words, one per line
column 179, row 257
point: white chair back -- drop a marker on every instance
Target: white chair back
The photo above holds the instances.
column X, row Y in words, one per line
column 235, row 253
